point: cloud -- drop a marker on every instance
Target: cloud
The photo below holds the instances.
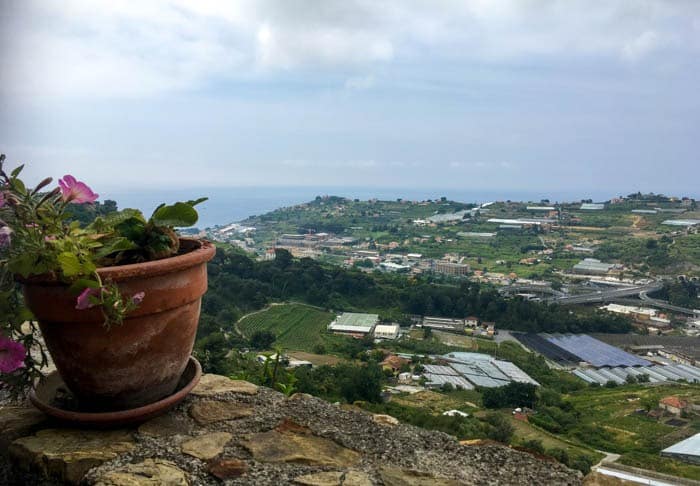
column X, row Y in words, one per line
column 640, row 46
column 124, row 48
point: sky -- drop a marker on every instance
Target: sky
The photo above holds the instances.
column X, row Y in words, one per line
column 543, row 95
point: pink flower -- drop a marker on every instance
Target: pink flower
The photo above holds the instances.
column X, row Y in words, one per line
column 87, row 298
column 2, row 199
column 75, row 191
column 5, row 237
column 12, row 355
column 137, row 298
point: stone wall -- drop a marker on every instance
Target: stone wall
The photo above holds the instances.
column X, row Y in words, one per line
column 234, row 432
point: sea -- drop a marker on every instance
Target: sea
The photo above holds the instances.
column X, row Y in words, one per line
column 228, row 205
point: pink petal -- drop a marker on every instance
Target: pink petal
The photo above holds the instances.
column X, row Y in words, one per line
column 83, row 301
column 137, row 298
column 12, row 355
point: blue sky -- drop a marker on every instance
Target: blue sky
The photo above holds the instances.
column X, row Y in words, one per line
column 555, row 95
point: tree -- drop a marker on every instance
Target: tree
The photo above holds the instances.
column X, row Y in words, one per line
column 535, row 445
column 559, row 454
column 649, row 403
column 262, row 339
column 514, row 394
column 283, row 259
column 500, row 429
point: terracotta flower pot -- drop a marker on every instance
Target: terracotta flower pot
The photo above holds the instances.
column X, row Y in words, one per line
column 140, row 361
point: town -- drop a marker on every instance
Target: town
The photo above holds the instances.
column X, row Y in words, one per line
column 623, row 273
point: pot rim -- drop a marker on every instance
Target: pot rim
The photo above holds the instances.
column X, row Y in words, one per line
column 203, row 252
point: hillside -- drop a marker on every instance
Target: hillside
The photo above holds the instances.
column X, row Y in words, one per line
column 234, row 431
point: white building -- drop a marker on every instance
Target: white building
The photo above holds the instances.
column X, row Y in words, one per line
column 386, row 331
column 354, row 323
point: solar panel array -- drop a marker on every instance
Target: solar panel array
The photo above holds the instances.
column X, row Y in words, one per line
column 439, row 370
column 656, row 373
column 477, row 369
column 596, row 352
column 514, row 373
column 540, row 345
column 480, row 376
column 455, row 381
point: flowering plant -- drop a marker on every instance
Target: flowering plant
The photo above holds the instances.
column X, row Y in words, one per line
column 38, row 237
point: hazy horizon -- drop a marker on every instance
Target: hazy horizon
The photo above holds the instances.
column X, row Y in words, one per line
column 226, row 205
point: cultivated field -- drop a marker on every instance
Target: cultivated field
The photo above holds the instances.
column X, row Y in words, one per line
column 298, row 327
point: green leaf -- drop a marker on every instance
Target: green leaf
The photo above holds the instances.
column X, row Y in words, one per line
column 115, row 245
column 16, row 171
column 197, row 201
column 18, row 186
column 133, row 229
column 70, row 264
column 114, row 219
column 179, row 214
column 22, row 264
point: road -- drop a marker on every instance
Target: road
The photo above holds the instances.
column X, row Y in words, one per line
column 604, row 295
column 621, row 295
column 665, row 305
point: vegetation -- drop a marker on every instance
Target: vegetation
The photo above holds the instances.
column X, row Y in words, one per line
column 514, row 394
column 684, row 294
column 293, row 326
column 239, row 283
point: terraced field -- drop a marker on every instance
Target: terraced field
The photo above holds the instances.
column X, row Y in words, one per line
column 298, row 327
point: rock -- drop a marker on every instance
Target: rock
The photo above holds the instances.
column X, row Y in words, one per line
column 289, row 425
column 326, row 478
column 227, row 468
column 165, row 426
column 211, row 385
column 335, row 478
column 150, row 472
column 394, row 476
column 273, row 446
column 206, row 446
column 385, row 420
column 209, row 412
column 17, row 422
column 356, row 478
column 68, row 454
column 300, row 396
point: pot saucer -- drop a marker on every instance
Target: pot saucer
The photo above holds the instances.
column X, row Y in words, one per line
column 46, row 395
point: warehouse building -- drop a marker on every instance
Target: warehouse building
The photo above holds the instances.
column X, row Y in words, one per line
column 386, row 331
column 443, row 323
column 354, row 324
column 592, row 206
column 593, row 266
